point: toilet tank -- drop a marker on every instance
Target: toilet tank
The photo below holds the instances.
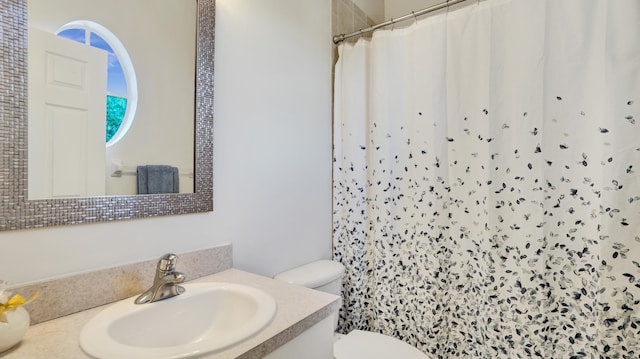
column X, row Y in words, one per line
column 324, row 275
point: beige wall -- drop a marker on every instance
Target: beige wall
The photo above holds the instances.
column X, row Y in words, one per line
column 373, row 8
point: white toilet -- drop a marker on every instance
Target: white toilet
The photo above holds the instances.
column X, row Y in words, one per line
column 326, row 275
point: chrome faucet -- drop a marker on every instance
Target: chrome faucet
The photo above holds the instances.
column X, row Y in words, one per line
column 165, row 284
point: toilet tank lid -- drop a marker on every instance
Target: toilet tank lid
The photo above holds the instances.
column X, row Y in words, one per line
column 314, row 274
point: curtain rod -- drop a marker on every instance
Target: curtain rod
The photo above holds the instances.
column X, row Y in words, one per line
column 339, row 38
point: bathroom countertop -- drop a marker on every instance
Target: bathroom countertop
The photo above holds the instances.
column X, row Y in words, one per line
column 298, row 309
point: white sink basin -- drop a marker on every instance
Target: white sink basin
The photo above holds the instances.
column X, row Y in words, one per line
column 206, row 318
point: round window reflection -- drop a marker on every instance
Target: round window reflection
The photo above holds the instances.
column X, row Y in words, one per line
column 121, row 80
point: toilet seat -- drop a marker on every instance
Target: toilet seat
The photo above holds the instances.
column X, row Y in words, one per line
column 368, row 345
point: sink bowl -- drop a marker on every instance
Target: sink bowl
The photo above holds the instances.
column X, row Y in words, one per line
column 208, row 317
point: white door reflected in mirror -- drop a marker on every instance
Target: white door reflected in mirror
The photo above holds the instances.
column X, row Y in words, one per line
column 67, row 92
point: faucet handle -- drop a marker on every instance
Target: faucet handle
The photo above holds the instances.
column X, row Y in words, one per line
column 167, row 263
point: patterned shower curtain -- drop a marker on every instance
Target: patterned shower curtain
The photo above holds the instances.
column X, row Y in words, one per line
column 487, row 180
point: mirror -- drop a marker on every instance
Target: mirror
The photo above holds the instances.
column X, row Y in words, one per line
column 18, row 212
column 110, row 88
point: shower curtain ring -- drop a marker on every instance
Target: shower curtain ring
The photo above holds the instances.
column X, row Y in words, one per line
column 415, row 18
column 393, row 24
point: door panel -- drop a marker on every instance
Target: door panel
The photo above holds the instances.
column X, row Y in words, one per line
column 67, row 113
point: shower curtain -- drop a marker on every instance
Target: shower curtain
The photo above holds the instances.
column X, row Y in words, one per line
column 486, row 180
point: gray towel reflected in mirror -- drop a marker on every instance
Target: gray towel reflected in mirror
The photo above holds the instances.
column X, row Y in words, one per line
column 153, row 179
